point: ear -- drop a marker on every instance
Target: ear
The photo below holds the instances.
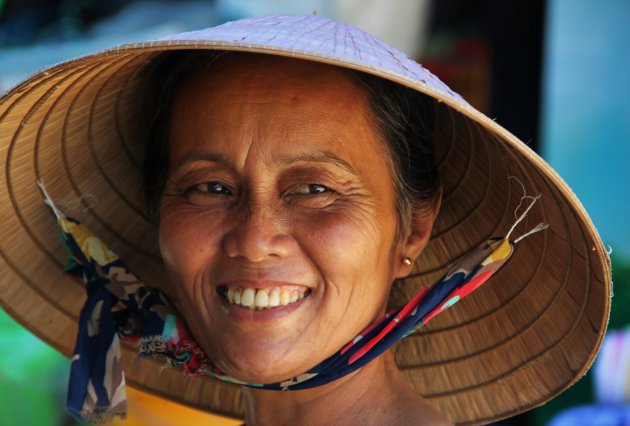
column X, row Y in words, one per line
column 418, row 236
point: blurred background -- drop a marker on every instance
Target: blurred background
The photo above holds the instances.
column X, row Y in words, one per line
column 555, row 73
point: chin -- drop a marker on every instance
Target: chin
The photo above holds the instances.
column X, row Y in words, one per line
column 262, row 374
column 254, row 365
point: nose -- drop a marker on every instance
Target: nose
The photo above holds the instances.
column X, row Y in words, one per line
column 258, row 235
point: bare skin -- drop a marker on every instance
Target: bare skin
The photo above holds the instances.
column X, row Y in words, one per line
column 278, row 184
column 377, row 394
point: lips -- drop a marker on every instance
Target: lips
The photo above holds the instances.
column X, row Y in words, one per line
column 263, row 298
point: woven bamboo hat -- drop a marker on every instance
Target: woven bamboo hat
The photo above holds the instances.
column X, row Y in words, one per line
column 521, row 339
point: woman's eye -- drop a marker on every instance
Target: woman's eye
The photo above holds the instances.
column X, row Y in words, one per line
column 212, row 188
column 312, row 188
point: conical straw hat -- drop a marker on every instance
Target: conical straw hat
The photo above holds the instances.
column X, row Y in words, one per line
column 528, row 334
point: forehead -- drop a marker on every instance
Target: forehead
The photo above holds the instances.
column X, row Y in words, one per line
column 249, row 96
column 273, row 75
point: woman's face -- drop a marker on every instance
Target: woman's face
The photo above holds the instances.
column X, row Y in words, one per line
column 278, row 221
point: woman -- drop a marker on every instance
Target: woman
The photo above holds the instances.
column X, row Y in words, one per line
column 294, row 200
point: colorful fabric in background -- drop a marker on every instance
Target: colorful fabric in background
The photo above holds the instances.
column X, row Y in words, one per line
column 120, row 306
column 612, row 387
column 612, row 370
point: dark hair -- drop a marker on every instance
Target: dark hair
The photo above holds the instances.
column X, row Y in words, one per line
column 406, row 119
column 404, row 116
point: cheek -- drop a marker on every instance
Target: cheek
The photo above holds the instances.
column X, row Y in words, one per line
column 188, row 239
column 354, row 255
column 353, row 259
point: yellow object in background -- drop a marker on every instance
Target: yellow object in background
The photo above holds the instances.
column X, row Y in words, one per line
column 144, row 409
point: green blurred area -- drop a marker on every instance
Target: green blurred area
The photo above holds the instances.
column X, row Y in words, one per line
column 33, row 378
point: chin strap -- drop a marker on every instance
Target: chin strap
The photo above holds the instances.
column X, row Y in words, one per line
column 120, row 306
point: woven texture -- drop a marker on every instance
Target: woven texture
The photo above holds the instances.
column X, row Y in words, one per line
column 518, row 341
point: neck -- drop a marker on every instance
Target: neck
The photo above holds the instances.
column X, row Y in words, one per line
column 375, row 394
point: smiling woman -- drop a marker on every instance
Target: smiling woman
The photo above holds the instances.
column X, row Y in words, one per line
column 283, row 182
column 274, row 182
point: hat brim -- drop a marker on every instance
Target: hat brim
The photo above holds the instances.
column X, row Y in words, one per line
column 528, row 334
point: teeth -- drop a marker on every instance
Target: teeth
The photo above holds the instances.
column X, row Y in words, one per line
column 285, row 297
column 263, row 298
column 248, row 297
column 274, row 298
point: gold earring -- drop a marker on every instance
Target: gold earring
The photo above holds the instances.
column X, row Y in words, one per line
column 406, row 261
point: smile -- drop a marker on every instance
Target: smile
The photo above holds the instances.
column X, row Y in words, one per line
column 263, row 298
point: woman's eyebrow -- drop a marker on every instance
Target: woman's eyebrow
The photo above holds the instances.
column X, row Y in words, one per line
column 194, row 157
column 318, row 157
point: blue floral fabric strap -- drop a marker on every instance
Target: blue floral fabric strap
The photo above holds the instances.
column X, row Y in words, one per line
column 118, row 305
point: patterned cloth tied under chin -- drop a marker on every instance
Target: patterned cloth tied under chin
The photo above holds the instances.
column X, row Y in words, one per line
column 120, row 306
